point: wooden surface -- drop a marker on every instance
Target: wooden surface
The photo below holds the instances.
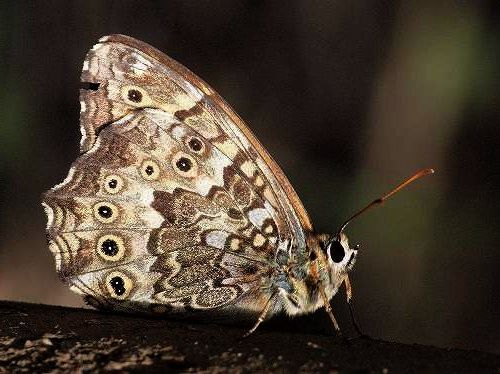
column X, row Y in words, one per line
column 42, row 338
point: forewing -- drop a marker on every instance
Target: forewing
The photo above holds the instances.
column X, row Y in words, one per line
column 118, row 64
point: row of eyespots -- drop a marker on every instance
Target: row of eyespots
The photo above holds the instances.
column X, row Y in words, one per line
column 111, row 248
column 182, row 163
column 118, row 285
column 106, row 212
column 135, row 95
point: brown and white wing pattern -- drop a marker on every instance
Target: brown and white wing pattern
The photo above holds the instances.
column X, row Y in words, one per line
column 173, row 204
column 130, row 74
column 154, row 214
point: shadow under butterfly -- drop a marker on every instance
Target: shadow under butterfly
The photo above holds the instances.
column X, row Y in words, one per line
column 174, row 207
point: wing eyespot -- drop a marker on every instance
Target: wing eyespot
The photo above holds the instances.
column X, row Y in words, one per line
column 150, row 170
column 135, row 96
column 105, row 212
column 113, row 184
column 110, row 247
column 185, row 165
column 196, row 145
column 118, row 285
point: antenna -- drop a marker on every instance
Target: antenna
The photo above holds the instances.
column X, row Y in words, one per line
column 419, row 174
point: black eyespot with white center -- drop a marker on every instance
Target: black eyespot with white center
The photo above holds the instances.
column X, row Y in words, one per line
column 337, row 251
column 109, row 247
column 118, row 285
column 134, row 95
column 150, row 170
column 195, row 144
column 113, row 184
column 184, row 164
column 105, row 211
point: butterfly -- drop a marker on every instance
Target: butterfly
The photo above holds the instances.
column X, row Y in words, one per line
column 173, row 205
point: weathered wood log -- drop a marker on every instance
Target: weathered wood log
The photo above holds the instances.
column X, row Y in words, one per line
column 42, row 338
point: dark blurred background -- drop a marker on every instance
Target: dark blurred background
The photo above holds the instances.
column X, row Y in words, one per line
column 348, row 96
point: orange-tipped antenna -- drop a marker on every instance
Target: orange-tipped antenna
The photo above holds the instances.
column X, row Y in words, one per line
column 380, row 200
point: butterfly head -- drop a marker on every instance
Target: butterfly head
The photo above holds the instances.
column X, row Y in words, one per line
column 341, row 257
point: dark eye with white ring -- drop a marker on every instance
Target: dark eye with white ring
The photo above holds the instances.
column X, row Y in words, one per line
column 337, row 251
column 134, row 95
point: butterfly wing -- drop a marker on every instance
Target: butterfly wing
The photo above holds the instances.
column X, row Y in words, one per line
column 119, row 62
column 173, row 202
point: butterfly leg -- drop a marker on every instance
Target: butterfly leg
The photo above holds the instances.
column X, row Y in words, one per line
column 329, row 311
column 261, row 318
column 348, row 291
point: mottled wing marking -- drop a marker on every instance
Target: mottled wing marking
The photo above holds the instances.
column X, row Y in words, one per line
column 122, row 63
column 173, row 203
column 145, row 214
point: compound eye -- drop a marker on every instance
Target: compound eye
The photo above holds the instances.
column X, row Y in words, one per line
column 337, row 252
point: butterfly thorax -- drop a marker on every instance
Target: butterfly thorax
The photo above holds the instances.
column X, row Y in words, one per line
column 300, row 280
